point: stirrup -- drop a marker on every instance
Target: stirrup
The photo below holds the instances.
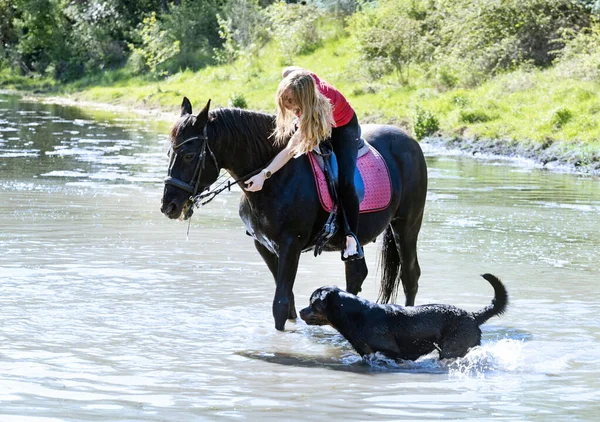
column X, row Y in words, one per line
column 360, row 253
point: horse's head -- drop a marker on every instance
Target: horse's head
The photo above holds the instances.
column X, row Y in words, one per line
column 192, row 167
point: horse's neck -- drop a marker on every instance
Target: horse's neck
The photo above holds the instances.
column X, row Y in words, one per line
column 241, row 154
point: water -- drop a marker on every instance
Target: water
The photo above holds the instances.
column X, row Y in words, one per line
column 108, row 311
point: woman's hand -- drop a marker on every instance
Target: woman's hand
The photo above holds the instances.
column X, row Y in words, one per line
column 255, row 183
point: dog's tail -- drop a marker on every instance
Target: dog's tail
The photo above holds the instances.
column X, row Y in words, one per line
column 499, row 303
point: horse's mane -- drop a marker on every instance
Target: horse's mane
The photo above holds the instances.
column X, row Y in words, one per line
column 248, row 134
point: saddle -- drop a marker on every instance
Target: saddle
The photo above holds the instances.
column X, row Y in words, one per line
column 371, row 180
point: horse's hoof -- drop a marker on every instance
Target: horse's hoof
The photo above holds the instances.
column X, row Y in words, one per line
column 281, row 312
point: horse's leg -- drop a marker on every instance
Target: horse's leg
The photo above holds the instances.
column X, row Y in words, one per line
column 283, row 303
column 405, row 235
column 273, row 262
column 356, row 272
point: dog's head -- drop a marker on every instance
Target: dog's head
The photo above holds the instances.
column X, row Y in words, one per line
column 316, row 312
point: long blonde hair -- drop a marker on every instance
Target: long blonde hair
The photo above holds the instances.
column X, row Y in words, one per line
column 316, row 112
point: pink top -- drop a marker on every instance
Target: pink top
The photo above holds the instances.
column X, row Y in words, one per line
column 342, row 110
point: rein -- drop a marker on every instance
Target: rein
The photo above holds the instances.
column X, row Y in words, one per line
column 212, row 194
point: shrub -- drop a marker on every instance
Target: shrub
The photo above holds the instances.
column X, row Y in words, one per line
column 560, row 117
column 460, row 100
column 238, row 100
column 580, row 58
column 157, row 45
column 473, row 116
column 389, row 37
column 243, row 30
column 425, row 123
column 193, row 24
column 294, row 27
column 480, row 38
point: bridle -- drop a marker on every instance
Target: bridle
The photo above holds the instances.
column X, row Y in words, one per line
column 193, row 185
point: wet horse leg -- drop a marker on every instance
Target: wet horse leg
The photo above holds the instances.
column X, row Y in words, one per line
column 289, row 256
column 273, row 263
column 356, row 272
column 405, row 236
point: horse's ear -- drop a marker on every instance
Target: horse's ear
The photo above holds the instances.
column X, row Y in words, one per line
column 186, row 107
column 202, row 117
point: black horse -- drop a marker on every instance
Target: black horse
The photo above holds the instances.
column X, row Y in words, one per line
column 286, row 215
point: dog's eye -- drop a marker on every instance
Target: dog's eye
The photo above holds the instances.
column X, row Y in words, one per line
column 318, row 304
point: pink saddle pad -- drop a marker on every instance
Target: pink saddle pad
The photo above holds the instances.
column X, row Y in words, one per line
column 376, row 178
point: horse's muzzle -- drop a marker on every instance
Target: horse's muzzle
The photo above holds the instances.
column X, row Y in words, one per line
column 171, row 210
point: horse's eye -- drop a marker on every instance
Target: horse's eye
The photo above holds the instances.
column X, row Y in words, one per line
column 189, row 156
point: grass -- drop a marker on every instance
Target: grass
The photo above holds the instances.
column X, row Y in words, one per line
column 530, row 107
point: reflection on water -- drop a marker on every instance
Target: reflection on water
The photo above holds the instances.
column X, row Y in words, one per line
column 109, row 312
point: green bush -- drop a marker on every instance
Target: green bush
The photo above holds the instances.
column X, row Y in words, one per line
column 477, row 39
column 425, row 123
column 460, row 100
column 580, row 58
column 294, row 28
column 193, row 25
column 238, row 100
column 389, row 36
column 560, row 117
column 473, row 116
column 243, row 28
column 157, row 45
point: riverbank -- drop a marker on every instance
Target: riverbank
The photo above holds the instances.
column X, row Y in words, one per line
column 572, row 158
column 538, row 115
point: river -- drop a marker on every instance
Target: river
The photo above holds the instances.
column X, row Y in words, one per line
column 109, row 311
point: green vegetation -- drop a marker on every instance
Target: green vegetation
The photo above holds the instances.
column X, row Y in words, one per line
column 521, row 72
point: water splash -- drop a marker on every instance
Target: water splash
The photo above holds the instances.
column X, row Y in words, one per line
column 506, row 355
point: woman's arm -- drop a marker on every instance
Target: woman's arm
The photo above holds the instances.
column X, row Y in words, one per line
column 255, row 183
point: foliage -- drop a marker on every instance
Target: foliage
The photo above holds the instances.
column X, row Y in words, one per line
column 561, row 116
column 157, row 46
column 193, row 24
column 40, row 33
column 462, row 42
column 243, row 30
column 96, row 33
column 424, row 123
column 580, row 57
column 473, row 116
column 294, row 28
column 389, row 36
column 237, row 99
column 478, row 38
column 454, row 43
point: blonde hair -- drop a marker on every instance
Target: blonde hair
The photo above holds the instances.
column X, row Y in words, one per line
column 316, row 112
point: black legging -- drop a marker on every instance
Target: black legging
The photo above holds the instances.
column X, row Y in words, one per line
column 345, row 140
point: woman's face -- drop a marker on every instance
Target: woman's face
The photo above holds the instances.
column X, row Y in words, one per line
column 289, row 102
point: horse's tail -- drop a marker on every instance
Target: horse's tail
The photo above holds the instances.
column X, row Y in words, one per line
column 499, row 303
column 389, row 261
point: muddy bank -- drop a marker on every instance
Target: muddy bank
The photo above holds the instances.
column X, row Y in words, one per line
column 560, row 156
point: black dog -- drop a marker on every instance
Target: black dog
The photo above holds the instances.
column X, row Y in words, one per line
column 399, row 332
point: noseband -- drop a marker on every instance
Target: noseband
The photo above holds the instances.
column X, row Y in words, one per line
column 192, row 186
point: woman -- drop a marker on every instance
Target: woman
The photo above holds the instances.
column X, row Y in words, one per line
column 320, row 112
